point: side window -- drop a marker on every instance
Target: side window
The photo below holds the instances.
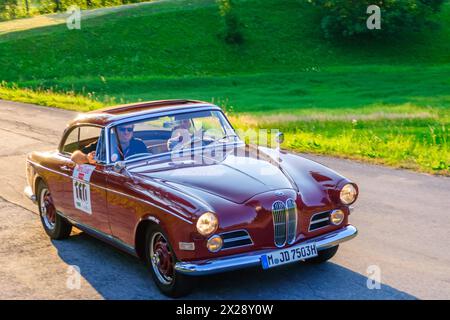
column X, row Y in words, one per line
column 82, row 138
column 89, row 137
column 71, row 143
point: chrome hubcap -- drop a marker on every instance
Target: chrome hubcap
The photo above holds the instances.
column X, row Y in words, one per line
column 47, row 209
column 161, row 258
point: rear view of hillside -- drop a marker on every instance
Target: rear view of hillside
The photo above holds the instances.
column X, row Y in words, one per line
column 178, row 38
column 396, row 88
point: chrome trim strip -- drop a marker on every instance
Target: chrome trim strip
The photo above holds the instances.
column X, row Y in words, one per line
column 236, row 239
column 233, row 231
column 254, row 258
column 29, row 194
column 237, row 247
column 51, row 170
column 320, row 220
column 107, row 145
column 104, row 236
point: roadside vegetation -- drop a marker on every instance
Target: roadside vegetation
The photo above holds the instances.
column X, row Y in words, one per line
column 46, row 97
column 13, row 9
column 380, row 100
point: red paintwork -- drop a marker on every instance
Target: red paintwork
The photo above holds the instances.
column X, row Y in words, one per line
column 242, row 197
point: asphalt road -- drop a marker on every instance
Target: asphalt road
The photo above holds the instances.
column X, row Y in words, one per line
column 403, row 220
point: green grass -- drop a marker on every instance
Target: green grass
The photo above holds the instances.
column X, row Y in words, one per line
column 67, row 100
column 285, row 75
column 418, row 141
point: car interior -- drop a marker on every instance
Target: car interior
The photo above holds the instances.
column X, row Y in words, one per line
column 155, row 134
column 155, row 140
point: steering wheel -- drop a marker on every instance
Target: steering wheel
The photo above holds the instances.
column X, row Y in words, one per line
column 195, row 137
column 190, row 143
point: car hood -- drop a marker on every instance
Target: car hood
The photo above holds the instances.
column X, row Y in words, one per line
column 236, row 175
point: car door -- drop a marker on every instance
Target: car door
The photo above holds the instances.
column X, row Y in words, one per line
column 61, row 171
column 85, row 190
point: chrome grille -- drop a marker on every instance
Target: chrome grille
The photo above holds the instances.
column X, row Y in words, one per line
column 292, row 220
column 284, row 222
column 279, row 222
column 319, row 220
column 236, row 239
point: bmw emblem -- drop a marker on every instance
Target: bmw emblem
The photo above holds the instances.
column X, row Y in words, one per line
column 279, row 193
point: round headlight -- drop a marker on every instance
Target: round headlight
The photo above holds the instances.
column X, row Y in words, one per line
column 207, row 224
column 348, row 194
column 214, row 243
column 336, row 217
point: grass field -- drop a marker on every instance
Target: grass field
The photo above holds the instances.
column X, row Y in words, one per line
column 384, row 101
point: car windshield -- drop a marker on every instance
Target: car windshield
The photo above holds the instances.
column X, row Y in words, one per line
column 166, row 134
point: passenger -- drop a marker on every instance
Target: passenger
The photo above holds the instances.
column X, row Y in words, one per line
column 180, row 134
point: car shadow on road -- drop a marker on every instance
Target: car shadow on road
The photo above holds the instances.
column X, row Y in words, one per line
column 295, row 281
column 117, row 275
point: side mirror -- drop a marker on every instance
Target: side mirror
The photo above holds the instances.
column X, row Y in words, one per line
column 119, row 166
column 280, row 137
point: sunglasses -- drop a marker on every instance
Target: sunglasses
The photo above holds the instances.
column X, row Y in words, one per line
column 126, row 129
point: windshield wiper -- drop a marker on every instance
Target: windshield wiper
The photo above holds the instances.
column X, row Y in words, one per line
column 224, row 137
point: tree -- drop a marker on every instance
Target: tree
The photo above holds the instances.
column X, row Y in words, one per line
column 232, row 32
column 434, row 4
column 348, row 17
column 27, row 7
column 57, row 5
column 8, row 9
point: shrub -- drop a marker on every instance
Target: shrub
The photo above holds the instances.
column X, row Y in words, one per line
column 348, row 17
column 12, row 9
column 9, row 9
column 232, row 33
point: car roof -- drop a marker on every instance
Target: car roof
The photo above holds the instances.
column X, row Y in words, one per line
column 108, row 115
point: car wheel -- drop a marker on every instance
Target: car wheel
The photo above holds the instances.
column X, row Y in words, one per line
column 54, row 225
column 161, row 259
column 324, row 255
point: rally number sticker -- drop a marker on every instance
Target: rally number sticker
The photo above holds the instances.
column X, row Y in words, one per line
column 81, row 190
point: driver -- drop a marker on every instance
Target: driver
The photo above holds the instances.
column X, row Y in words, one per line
column 128, row 147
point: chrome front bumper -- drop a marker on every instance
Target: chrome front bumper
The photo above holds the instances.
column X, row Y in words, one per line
column 29, row 194
column 254, row 258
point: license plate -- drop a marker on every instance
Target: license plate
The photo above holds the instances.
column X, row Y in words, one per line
column 292, row 254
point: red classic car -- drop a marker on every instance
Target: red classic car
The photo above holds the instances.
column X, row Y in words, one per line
column 172, row 183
